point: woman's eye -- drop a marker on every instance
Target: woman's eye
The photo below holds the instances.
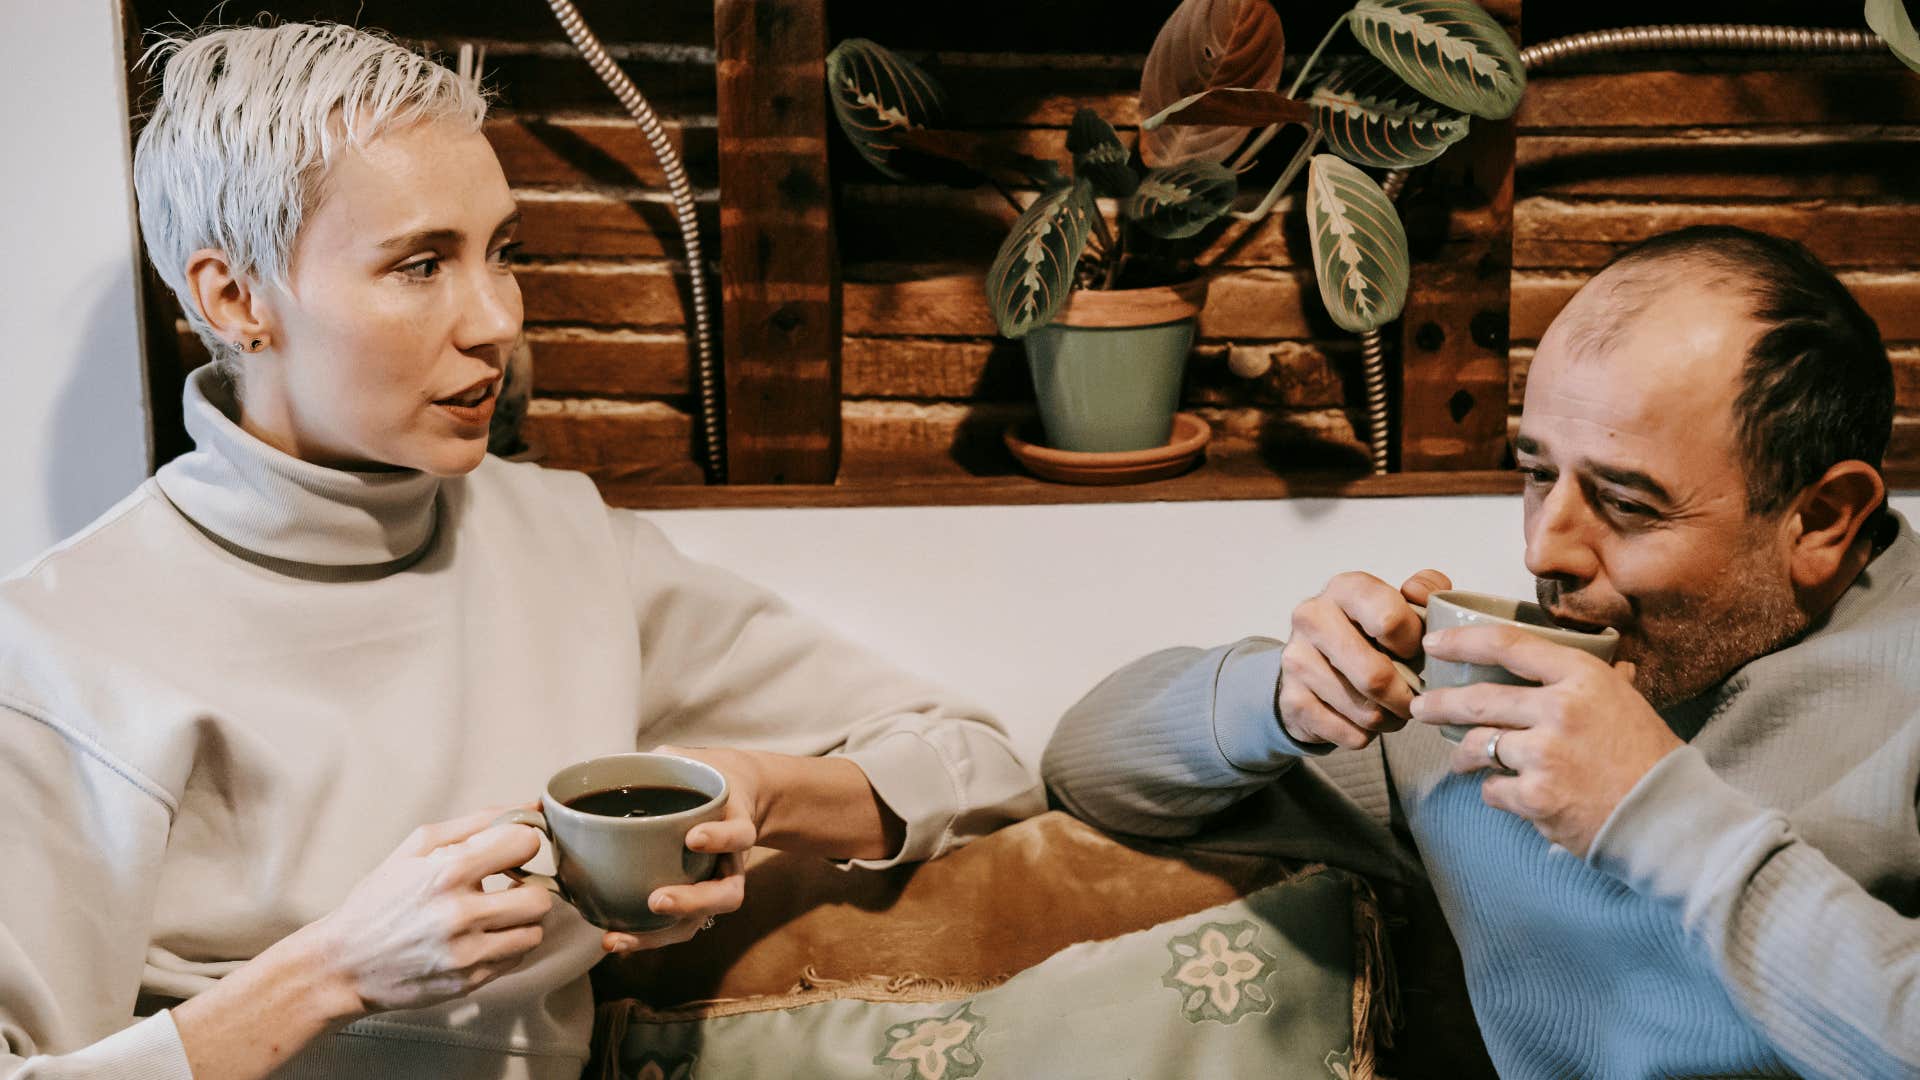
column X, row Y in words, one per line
column 422, row 270
column 508, row 254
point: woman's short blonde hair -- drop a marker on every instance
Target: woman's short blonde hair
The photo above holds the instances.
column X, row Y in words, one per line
column 249, row 119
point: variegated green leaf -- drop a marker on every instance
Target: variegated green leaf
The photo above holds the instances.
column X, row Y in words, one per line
column 1888, row 18
column 1370, row 117
column 1033, row 273
column 1099, row 156
column 1450, row 50
column 1179, row 200
column 877, row 93
column 1359, row 245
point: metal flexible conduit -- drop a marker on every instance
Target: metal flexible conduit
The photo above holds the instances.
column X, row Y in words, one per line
column 1697, row 37
column 683, row 209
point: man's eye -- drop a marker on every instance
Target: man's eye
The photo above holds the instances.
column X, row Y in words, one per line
column 1625, row 508
column 1533, row 474
column 422, row 270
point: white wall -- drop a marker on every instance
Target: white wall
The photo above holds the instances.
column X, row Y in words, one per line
column 73, row 428
column 1026, row 607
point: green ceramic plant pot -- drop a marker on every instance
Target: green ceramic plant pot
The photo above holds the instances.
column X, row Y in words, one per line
column 1107, row 370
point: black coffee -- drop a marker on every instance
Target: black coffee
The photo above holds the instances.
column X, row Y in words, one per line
column 638, row 801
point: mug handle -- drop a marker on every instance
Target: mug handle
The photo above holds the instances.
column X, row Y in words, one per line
column 521, row 876
column 1412, row 678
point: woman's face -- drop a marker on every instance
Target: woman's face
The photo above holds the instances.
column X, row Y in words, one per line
column 388, row 345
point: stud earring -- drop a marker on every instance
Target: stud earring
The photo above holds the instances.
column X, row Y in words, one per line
column 255, row 345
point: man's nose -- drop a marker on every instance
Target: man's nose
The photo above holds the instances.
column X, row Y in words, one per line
column 1559, row 535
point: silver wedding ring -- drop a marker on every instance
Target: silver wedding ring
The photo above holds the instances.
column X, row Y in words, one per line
column 1493, row 750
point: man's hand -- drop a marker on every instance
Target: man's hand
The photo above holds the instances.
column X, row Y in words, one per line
column 1572, row 747
column 1336, row 684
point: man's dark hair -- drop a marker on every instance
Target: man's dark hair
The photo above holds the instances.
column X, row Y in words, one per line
column 1817, row 388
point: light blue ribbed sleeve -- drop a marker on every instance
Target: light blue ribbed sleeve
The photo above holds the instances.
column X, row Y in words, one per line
column 1829, row 973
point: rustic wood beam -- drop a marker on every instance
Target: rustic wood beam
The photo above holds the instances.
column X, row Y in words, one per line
column 778, row 267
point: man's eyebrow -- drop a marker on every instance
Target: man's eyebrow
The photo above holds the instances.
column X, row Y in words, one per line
column 1632, row 478
column 1612, row 474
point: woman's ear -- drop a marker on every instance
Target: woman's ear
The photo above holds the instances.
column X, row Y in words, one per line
column 1826, row 522
column 228, row 301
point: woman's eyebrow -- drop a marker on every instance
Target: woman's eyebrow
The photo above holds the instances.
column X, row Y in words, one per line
column 420, row 238
column 506, row 224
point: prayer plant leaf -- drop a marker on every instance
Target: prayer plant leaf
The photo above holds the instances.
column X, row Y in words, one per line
column 1889, row 19
column 1099, row 156
column 1232, row 105
column 877, row 94
column 1370, row 117
column 1177, row 201
column 1359, row 245
column 1207, row 45
column 1450, row 50
column 1033, row 273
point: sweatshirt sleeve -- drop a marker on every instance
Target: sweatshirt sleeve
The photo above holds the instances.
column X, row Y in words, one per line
column 727, row 663
column 1829, row 973
column 1187, row 743
column 81, row 836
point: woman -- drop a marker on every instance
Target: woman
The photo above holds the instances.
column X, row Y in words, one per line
column 223, row 704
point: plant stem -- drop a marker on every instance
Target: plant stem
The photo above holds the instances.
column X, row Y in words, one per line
column 1244, row 160
column 1008, row 195
column 1119, row 261
column 1300, row 80
column 1300, row 159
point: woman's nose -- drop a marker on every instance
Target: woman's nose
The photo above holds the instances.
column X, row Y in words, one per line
column 493, row 312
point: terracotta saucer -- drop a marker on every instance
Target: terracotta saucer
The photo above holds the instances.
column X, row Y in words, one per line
column 1188, row 442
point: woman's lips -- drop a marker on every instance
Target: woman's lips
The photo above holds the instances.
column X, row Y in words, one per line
column 477, row 414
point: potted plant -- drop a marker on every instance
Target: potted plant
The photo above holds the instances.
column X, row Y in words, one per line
column 1107, row 310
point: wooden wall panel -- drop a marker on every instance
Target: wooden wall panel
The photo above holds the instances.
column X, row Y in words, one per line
column 1606, row 153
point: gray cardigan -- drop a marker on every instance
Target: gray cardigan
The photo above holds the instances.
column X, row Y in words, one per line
column 1749, row 908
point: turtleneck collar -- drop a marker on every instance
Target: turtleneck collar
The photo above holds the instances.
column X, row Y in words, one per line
column 257, row 500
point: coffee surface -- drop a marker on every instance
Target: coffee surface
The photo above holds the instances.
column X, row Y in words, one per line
column 639, row 801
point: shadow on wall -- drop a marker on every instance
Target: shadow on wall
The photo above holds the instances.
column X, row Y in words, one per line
column 98, row 445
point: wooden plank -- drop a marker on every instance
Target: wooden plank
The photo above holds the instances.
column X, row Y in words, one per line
column 610, row 363
column 1804, row 91
column 1905, row 360
column 779, row 271
column 1892, row 299
column 569, row 225
column 1296, row 374
column 605, row 294
column 1820, row 163
column 551, row 77
column 650, row 440
column 1562, row 233
column 603, row 150
column 1453, row 353
column 509, row 19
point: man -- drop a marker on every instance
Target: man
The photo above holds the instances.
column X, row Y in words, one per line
column 1699, row 860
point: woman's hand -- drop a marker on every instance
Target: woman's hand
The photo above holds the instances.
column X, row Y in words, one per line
column 730, row 837
column 418, row 931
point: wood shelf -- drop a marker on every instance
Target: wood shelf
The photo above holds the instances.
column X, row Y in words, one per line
column 1209, row 483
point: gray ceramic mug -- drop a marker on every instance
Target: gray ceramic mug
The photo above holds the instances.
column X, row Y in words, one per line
column 607, row 866
column 1457, row 607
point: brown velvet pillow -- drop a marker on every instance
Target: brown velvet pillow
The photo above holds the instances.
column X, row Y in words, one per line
column 810, row 932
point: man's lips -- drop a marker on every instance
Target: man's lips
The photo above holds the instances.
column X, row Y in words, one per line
column 1570, row 621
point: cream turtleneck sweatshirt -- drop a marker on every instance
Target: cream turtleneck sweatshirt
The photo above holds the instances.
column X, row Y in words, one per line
column 228, row 699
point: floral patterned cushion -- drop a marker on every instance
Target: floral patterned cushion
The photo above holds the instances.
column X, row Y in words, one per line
column 1280, row 981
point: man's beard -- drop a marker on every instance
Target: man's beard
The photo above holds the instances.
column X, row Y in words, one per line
column 1682, row 646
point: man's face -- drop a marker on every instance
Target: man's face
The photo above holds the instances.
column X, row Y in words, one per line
column 1636, row 492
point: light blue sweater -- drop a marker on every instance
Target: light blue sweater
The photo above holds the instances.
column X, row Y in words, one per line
column 1749, row 909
